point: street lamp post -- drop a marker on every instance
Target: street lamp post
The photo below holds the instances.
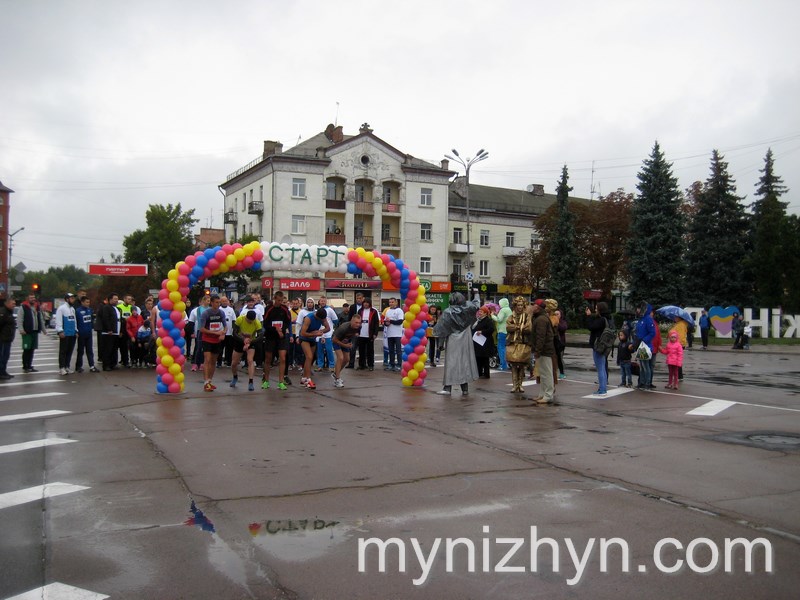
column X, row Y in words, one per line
column 11, row 246
column 467, row 163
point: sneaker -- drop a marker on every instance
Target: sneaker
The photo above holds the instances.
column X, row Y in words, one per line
column 387, row 368
column 317, row 369
column 396, row 369
column 79, row 370
column 443, row 393
column 62, row 371
column 94, row 370
column 250, row 387
column 303, row 380
column 234, row 381
column 265, row 384
column 286, row 380
column 334, row 376
column 310, row 385
column 208, row 388
column 338, row 383
column 194, row 367
column 282, row 386
column 562, row 376
column 599, row 393
column 213, row 387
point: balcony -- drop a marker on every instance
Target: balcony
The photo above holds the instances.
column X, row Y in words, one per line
column 335, row 238
column 459, row 248
column 364, row 207
column 255, row 207
column 363, row 241
column 390, row 242
column 391, row 208
column 512, row 250
column 335, row 204
column 231, row 217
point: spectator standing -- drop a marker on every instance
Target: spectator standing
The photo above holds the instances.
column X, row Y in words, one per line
column 543, row 352
column 67, row 330
column 501, row 318
column 32, row 324
column 393, row 331
column 705, row 325
column 126, row 308
column 674, row 352
column 483, row 331
column 8, row 329
column 132, row 325
column 366, row 338
column 561, row 342
column 646, row 331
column 109, row 327
column 433, row 349
column 596, row 322
column 453, row 327
column 197, row 314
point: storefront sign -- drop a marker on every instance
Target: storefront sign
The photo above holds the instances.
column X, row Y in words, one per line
column 117, row 270
column 267, row 283
column 300, row 284
column 352, row 284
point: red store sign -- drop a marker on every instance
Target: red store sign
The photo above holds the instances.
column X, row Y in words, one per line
column 300, row 284
column 118, row 270
column 267, row 283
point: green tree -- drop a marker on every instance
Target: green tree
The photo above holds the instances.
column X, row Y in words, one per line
column 768, row 228
column 718, row 242
column 605, row 224
column 167, row 239
column 57, row 281
column 791, row 245
column 655, row 245
column 564, row 283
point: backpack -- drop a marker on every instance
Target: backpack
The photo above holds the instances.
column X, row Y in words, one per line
column 605, row 343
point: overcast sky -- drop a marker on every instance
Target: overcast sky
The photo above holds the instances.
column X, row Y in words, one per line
column 110, row 106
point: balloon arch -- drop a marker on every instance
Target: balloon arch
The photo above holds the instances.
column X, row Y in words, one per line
column 268, row 256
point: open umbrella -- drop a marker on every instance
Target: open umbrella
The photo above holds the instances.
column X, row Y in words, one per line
column 671, row 312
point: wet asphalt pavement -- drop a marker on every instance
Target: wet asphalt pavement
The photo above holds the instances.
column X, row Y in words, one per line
column 271, row 494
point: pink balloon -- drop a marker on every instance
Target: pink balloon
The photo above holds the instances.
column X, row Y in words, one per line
column 180, row 324
column 412, row 294
column 198, row 253
column 361, row 263
column 419, row 381
column 180, row 359
column 162, row 333
column 206, row 273
column 404, row 340
column 423, row 342
column 412, row 275
column 183, row 280
column 184, row 291
column 258, row 255
column 175, row 351
column 227, row 249
column 190, row 261
column 413, row 358
column 220, row 256
column 419, row 350
column 416, row 324
column 167, row 342
column 165, row 304
column 175, row 316
column 167, row 378
column 213, row 264
column 161, row 369
column 236, row 246
column 392, row 268
column 409, row 332
column 404, row 372
column 163, row 294
column 423, row 374
column 184, row 269
column 174, row 387
column 248, row 262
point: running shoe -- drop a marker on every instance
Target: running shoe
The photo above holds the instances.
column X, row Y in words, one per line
column 286, row 380
column 334, row 376
column 304, row 380
column 250, row 387
column 213, row 387
column 234, row 381
column 265, row 384
column 338, row 383
column 208, row 388
column 310, row 385
column 282, row 386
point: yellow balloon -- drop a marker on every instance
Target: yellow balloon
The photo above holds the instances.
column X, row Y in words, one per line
column 382, row 271
column 369, row 256
column 377, row 263
column 161, row 351
column 173, row 274
column 414, row 309
column 179, row 306
column 183, row 386
column 422, row 300
column 239, row 254
column 172, row 285
column 224, row 268
column 174, row 368
column 413, row 375
column 360, row 251
column 179, row 377
column 407, row 381
column 230, row 260
column 167, row 360
column 409, row 316
column 248, row 249
column 423, row 358
column 419, row 366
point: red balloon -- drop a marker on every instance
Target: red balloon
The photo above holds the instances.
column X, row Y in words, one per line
column 236, row 246
column 161, row 369
column 220, row 255
column 190, row 261
column 248, row 262
column 416, row 324
column 419, row 350
column 175, row 351
column 180, row 359
column 258, row 255
column 413, row 358
column 213, row 264
column 175, row 387
column 227, row 249
column 167, row 378
column 392, row 268
column 419, row 380
column 163, row 294
column 175, row 316
column 183, row 280
column 165, row 304
column 423, row 374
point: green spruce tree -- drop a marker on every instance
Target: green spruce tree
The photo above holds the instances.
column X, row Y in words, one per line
column 564, row 283
column 655, row 247
column 768, row 228
column 718, row 243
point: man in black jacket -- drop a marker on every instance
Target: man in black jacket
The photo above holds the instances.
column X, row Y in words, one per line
column 109, row 327
column 8, row 328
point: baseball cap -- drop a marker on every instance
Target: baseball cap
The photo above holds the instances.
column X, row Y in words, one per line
column 69, row 295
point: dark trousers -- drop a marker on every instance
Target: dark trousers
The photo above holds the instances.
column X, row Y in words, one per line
column 108, row 350
column 395, row 352
column 483, row 366
column 704, row 337
column 27, row 359
column 122, row 346
column 66, row 345
column 84, row 346
column 5, row 353
column 366, row 352
column 432, row 349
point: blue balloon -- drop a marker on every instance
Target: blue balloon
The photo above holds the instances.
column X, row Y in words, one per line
column 399, row 263
column 256, row 266
column 162, row 388
column 353, row 269
column 404, row 274
column 202, row 261
column 197, row 271
column 164, row 314
column 408, row 349
column 175, row 334
column 405, row 355
column 180, row 342
column 392, row 258
column 210, row 252
column 167, row 323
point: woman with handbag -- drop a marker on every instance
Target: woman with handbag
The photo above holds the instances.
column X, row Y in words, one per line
column 518, row 343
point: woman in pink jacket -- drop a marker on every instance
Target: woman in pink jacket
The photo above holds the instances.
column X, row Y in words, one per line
column 674, row 352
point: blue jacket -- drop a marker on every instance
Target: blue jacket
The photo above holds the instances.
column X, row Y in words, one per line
column 646, row 327
column 85, row 317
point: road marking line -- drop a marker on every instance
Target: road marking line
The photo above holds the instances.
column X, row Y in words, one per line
column 709, row 409
column 34, row 415
column 28, row 396
column 525, row 383
column 29, row 382
column 31, row 494
column 34, row 444
column 36, row 373
column 611, row 393
column 59, row 591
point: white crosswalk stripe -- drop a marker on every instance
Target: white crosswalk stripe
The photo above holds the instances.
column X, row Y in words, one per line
column 38, row 492
column 30, row 396
column 59, row 591
column 612, row 392
column 30, row 382
column 34, row 444
column 34, row 415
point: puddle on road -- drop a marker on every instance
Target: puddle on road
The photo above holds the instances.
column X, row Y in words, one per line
column 299, row 540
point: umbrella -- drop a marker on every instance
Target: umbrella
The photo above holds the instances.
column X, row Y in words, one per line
column 672, row 312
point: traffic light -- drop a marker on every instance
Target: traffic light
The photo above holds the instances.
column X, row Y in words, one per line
column 207, row 292
column 36, row 288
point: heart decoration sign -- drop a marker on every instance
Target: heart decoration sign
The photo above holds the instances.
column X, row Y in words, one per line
column 722, row 318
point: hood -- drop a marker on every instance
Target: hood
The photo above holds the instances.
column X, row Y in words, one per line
column 648, row 308
column 313, row 302
column 503, row 302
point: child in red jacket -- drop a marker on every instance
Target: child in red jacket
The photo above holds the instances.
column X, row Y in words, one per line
column 674, row 352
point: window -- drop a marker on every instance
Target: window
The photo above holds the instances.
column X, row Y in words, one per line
column 251, row 228
column 251, row 195
column 535, row 241
column 509, row 270
column 510, row 239
column 484, row 238
column 484, row 268
column 387, row 194
column 244, row 230
column 426, row 196
column 235, row 205
column 330, row 190
column 298, row 188
column 386, row 231
column 425, row 232
column 261, row 193
column 359, row 192
column 458, row 235
column 299, row 224
column 457, row 266
column 425, row 264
